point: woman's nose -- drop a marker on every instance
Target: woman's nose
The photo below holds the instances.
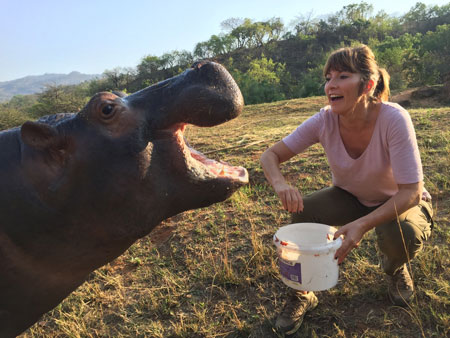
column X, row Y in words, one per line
column 331, row 83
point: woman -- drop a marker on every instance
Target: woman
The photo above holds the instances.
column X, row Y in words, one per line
column 376, row 172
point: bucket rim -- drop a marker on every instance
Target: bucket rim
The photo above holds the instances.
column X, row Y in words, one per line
column 314, row 248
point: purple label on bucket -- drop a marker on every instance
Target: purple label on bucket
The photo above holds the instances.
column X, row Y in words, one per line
column 290, row 270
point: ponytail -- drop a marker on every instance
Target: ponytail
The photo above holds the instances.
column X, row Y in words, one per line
column 382, row 91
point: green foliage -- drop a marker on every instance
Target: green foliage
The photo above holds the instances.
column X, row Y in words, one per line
column 312, row 82
column 59, row 99
column 394, row 54
column 422, row 18
column 11, row 117
column 22, row 101
column 14, row 112
column 261, row 82
column 435, row 48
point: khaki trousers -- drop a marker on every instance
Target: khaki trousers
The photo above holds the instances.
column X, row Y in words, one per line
column 336, row 207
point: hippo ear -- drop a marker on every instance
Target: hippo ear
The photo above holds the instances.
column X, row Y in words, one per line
column 45, row 138
column 38, row 135
column 52, row 145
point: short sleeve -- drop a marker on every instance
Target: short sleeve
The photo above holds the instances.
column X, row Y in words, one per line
column 306, row 134
column 403, row 149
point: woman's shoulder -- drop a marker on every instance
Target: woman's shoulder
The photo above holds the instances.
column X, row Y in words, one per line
column 326, row 113
column 395, row 119
column 324, row 117
column 391, row 111
column 393, row 107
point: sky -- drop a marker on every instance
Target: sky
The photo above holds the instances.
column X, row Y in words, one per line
column 91, row 36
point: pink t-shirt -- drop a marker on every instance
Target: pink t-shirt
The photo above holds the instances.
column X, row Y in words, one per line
column 392, row 156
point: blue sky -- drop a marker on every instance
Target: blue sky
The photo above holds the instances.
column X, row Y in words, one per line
column 90, row 36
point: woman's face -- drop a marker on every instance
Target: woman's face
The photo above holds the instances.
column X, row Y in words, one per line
column 342, row 89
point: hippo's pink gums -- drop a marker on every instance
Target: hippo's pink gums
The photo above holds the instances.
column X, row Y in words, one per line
column 76, row 190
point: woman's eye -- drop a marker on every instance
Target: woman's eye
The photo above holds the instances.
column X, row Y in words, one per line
column 327, row 79
column 108, row 109
column 344, row 76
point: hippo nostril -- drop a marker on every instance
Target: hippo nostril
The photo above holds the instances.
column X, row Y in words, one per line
column 197, row 65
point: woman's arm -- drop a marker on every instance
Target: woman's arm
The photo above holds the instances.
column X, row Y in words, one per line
column 408, row 196
column 270, row 162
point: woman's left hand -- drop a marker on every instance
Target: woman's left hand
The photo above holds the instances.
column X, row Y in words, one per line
column 353, row 233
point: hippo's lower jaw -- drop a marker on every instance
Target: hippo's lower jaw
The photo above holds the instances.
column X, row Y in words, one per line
column 221, row 168
column 201, row 168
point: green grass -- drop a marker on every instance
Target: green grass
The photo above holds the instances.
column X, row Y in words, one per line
column 213, row 272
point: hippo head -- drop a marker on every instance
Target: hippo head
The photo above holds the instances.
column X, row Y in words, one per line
column 122, row 160
column 78, row 189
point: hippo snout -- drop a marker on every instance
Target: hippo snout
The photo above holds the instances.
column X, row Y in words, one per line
column 204, row 95
column 218, row 95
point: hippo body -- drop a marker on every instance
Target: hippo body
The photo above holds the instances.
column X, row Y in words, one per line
column 76, row 190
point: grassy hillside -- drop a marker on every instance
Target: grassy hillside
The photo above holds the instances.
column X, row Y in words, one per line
column 213, row 272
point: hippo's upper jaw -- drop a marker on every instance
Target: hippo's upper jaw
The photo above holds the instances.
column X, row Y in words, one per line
column 204, row 95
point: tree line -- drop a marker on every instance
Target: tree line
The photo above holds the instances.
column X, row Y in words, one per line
column 271, row 61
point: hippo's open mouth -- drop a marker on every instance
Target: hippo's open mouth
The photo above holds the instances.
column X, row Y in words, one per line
column 202, row 168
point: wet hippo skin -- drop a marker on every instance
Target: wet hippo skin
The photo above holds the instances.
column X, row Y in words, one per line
column 76, row 190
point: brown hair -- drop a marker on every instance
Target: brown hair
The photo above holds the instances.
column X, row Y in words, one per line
column 361, row 60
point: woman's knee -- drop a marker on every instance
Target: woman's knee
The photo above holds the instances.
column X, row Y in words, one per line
column 331, row 205
column 403, row 240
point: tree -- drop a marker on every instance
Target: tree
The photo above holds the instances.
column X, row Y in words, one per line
column 216, row 45
column 261, row 82
column 276, row 29
column 355, row 12
column 244, row 34
column 401, row 58
column 60, row 99
column 231, row 23
column 435, row 54
column 183, row 58
column 150, row 64
column 203, row 50
column 119, row 78
column 422, row 18
column 305, row 24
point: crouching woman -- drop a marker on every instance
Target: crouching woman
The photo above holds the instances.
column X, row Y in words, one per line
column 377, row 179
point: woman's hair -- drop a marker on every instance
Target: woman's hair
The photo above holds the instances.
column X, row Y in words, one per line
column 361, row 60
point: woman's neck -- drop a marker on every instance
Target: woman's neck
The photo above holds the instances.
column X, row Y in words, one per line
column 362, row 115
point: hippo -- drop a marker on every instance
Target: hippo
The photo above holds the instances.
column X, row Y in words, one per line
column 78, row 189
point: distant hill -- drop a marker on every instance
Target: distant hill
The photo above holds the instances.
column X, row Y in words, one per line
column 36, row 84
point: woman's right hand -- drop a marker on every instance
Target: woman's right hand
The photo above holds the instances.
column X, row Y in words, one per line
column 270, row 161
column 290, row 197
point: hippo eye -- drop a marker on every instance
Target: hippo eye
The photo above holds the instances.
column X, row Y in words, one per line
column 107, row 111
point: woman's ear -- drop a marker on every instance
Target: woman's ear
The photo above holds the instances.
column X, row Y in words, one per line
column 369, row 86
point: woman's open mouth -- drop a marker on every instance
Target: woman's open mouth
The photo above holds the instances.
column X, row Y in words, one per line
column 334, row 98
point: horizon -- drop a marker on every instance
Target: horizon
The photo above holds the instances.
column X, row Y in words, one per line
column 46, row 74
column 43, row 39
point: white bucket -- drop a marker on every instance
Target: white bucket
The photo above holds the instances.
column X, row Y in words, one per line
column 306, row 256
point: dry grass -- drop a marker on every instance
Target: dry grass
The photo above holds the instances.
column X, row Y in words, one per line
column 212, row 272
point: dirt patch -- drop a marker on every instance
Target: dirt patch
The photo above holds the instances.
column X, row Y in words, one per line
column 428, row 96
